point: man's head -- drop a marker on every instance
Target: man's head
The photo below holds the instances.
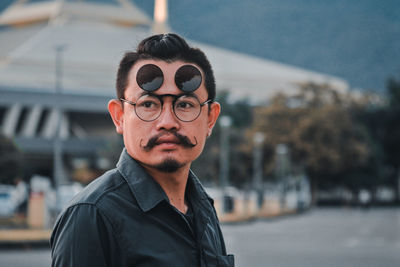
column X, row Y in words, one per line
column 163, row 89
column 169, row 48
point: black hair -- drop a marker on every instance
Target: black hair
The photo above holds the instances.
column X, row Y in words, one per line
column 168, row 47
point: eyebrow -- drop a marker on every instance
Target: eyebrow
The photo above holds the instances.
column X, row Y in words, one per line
column 172, row 95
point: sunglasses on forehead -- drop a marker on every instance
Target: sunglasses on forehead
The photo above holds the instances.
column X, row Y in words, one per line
column 150, row 78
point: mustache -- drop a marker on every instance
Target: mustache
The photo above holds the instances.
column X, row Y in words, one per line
column 183, row 140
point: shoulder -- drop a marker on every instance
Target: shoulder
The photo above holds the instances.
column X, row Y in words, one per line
column 86, row 202
column 96, row 198
column 87, row 209
column 78, row 228
column 99, row 188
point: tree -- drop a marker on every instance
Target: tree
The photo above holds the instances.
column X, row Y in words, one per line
column 207, row 165
column 383, row 123
column 391, row 133
column 318, row 128
column 240, row 110
column 10, row 161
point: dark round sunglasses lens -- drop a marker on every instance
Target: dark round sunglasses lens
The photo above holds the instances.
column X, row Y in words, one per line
column 149, row 77
column 188, row 78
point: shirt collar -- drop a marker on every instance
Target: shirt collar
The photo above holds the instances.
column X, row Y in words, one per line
column 147, row 191
column 195, row 189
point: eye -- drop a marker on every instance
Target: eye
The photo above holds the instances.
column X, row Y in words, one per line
column 184, row 105
column 148, row 104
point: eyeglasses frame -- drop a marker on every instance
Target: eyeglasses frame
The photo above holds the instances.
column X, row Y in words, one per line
column 160, row 98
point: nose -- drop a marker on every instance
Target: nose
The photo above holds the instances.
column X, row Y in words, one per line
column 168, row 119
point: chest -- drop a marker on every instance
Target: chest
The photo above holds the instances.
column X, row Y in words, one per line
column 164, row 237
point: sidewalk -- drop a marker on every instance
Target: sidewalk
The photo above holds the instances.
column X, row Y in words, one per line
column 243, row 211
column 16, row 236
column 15, row 231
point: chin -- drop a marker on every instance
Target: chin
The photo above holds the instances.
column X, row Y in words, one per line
column 169, row 165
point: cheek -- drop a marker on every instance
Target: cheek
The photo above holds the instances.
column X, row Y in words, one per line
column 133, row 133
column 200, row 132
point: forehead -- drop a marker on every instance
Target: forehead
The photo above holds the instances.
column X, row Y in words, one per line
column 169, row 69
column 160, row 63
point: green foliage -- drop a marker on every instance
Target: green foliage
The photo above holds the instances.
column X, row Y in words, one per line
column 318, row 128
column 390, row 132
column 240, row 111
column 383, row 125
column 393, row 87
column 10, row 161
column 208, row 164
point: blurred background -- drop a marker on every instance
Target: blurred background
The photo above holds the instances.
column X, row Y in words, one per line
column 304, row 165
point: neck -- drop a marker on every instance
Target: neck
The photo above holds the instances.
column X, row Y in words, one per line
column 173, row 184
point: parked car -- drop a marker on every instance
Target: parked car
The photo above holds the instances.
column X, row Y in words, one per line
column 65, row 193
column 7, row 205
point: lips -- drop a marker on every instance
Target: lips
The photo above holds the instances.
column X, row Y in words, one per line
column 167, row 140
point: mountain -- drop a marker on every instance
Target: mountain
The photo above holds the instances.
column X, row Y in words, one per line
column 355, row 40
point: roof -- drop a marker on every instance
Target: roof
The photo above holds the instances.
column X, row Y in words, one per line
column 125, row 14
column 258, row 79
column 89, row 59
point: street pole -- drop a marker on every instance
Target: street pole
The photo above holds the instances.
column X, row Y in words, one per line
column 58, row 173
column 258, row 140
column 282, row 168
column 225, row 123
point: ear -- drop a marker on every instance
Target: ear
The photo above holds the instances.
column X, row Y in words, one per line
column 213, row 115
column 117, row 114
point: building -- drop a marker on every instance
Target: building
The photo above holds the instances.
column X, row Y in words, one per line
column 58, row 61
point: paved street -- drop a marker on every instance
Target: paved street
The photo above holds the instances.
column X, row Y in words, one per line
column 322, row 237
column 25, row 257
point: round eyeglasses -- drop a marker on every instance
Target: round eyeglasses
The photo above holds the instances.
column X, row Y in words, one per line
column 150, row 78
column 186, row 107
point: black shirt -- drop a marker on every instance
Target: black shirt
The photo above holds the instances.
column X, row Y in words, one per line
column 124, row 218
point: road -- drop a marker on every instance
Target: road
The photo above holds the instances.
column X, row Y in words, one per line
column 321, row 237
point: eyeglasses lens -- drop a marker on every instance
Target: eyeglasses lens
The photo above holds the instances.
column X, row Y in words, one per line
column 188, row 78
column 148, row 107
column 186, row 108
column 149, row 77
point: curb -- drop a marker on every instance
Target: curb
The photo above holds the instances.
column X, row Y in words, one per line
column 16, row 236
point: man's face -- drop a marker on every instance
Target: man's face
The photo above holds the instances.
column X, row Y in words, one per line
column 153, row 143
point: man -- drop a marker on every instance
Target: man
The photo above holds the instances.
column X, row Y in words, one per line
column 151, row 210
